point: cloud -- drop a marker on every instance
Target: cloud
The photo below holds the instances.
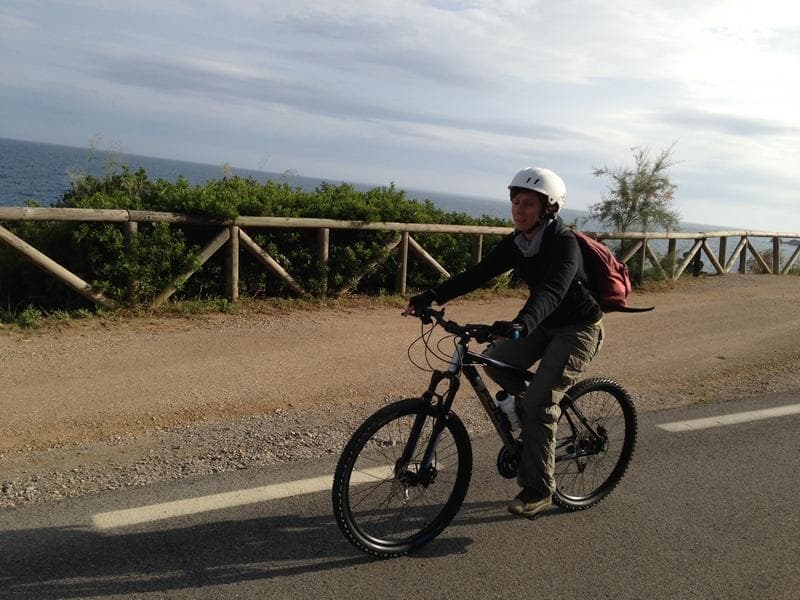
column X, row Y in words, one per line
column 416, row 43
column 230, row 82
column 165, row 74
column 730, row 124
column 178, row 7
column 15, row 26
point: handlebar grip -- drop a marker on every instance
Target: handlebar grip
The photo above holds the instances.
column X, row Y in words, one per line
column 425, row 315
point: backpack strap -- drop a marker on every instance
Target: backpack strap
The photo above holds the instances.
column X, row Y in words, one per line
column 627, row 309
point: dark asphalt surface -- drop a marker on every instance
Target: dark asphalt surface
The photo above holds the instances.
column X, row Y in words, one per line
column 702, row 514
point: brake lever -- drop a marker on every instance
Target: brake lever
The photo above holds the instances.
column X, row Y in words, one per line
column 481, row 333
column 426, row 316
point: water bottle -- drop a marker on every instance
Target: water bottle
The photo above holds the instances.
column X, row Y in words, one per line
column 506, row 403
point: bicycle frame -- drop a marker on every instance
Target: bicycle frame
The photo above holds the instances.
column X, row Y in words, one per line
column 463, row 361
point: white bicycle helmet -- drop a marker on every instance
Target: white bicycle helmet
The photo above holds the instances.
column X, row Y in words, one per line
column 543, row 181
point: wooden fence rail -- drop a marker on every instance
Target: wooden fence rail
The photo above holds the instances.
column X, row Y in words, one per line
column 230, row 234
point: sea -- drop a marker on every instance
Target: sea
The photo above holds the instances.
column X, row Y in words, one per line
column 40, row 172
column 33, row 171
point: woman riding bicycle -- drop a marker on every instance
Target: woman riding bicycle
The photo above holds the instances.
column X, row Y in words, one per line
column 559, row 325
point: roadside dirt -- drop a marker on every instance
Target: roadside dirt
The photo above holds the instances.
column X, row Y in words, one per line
column 93, row 392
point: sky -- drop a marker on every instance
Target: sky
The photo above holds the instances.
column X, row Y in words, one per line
column 450, row 96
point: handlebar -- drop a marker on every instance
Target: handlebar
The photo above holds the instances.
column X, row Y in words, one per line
column 479, row 332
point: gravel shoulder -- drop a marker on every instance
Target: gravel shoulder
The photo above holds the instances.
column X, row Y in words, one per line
column 96, row 406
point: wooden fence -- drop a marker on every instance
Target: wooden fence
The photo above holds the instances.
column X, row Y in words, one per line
column 232, row 236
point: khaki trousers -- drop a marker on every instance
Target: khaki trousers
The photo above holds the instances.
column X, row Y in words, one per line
column 563, row 353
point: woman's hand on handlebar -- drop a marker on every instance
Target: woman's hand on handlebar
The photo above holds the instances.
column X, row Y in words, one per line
column 419, row 303
column 409, row 311
column 512, row 330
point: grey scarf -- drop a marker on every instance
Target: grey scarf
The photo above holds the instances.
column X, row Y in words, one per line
column 531, row 247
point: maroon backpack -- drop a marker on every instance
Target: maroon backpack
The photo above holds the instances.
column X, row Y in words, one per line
column 609, row 280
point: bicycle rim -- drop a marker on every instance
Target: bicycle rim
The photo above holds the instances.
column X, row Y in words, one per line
column 594, row 442
column 387, row 506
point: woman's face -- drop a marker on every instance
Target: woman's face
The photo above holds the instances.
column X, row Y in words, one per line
column 526, row 208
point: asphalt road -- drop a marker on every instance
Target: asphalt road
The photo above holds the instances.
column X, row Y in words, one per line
column 710, row 513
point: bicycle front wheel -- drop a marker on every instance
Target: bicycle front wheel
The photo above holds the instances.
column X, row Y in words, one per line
column 388, row 498
column 594, row 442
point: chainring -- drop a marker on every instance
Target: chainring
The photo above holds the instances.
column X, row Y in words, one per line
column 508, row 461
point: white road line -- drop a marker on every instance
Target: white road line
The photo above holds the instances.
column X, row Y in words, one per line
column 191, row 506
column 732, row 419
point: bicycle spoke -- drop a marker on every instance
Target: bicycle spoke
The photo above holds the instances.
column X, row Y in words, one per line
column 594, row 443
column 392, row 497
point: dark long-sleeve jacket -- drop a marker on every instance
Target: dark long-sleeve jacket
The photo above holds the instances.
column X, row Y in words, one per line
column 555, row 278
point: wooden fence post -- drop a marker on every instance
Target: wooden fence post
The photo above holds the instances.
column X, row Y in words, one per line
column 743, row 256
column 232, row 264
column 402, row 271
column 723, row 249
column 672, row 246
column 776, row 255
column 131, row 230
column 477, row 248
column 642, row 259
column 323, row 241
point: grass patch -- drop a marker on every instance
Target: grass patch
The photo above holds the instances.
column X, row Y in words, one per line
column 23, row 318
column 198, row 306
column 31, row 317
column 652, row 286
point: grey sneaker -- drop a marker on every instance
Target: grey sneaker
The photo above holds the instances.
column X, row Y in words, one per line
column 529, row 504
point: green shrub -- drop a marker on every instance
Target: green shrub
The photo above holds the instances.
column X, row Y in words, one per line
column 30, row 317
column 100, row 254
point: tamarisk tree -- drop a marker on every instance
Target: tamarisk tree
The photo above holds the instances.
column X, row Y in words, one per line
column 639, row 196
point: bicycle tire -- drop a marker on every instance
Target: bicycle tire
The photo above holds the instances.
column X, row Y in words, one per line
column 595, row 440
column 376, row 507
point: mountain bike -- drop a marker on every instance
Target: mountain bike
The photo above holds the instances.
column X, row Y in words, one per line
column 404, row 473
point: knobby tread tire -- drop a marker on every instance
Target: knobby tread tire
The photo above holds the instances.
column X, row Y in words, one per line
column 623, row 398
column 340, row 493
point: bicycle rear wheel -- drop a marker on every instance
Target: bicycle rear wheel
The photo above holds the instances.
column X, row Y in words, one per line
column 594, row 442
column 386, row 501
